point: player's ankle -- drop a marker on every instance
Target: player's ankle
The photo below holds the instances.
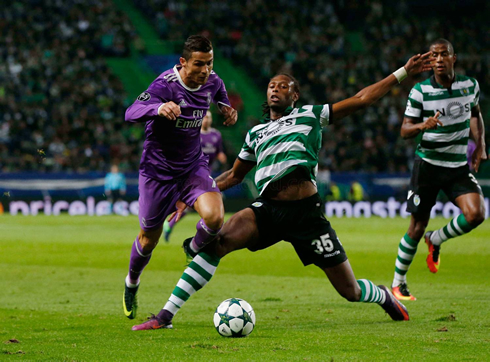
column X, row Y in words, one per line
column 165, row 316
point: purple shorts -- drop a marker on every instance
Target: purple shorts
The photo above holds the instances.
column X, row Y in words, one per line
column 157, row 198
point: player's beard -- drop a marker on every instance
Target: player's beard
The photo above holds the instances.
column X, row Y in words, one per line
column 278, row 108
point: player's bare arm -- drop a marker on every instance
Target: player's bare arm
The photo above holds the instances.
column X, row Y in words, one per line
column 169, row 110
column 235, row 175
column 411, row 127
column 367, row 96
column 477, row 133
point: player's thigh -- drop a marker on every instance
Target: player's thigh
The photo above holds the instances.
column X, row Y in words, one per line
column 156, row 201
column 423, row 189
column 201, row 192
column 473, row 207
column 316, row 242
column 465, row 192
column 209, row 206
column 239, row 232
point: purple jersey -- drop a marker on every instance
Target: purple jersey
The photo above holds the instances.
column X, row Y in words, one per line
column 211, row 144
column 173, row 148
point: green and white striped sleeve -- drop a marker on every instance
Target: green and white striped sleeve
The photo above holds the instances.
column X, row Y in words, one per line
column 247, row 152
column 476, row 101
column 414, row 103
column 321, row 112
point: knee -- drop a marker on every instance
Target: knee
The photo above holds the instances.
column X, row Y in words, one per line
column 417, row 230
column 147, row 242
column 475, row 217
column 213, row 220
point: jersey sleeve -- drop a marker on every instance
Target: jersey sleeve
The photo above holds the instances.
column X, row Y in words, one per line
column 145, row 107
column 414, row 103
column 476, row 100
column 221, row 96
column 323, row 113
column 247, row 153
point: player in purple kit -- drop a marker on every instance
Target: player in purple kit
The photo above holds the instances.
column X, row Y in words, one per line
column 212, row 146
column 211, row 141
column 173, row 166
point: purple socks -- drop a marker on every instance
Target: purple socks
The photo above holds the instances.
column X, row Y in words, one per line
column 204, row 236
column 137, row 262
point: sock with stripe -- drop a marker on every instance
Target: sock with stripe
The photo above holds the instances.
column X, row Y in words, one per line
column 456, row 227
column 137, row 263
column 371, row 293
column 196, row 275
column 406, row 251
column 204, row 236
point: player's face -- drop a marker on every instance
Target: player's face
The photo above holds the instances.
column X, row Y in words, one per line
column 442, row 59
column 197, row 68
column 206, row 121
column 280, row 93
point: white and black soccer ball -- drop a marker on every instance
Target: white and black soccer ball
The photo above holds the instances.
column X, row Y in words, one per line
column 234, row 317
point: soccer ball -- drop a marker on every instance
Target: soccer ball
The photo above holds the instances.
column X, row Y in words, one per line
column 234, row 317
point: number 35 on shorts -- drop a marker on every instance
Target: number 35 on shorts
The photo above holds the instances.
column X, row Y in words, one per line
column 324, row 245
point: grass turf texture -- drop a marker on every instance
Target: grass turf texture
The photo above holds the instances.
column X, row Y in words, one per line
column 62, row 283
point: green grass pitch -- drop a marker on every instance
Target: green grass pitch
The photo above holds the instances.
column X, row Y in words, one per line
column 61, row 285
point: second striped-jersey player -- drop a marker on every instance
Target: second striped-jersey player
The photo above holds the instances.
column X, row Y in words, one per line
column 444, row 110
column 446, row 145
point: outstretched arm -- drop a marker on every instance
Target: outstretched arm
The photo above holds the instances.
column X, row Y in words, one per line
column 235, row 175
column 477, row 133
column 367, row 96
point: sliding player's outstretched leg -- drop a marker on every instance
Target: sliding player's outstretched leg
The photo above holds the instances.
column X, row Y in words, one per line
column 363, row 290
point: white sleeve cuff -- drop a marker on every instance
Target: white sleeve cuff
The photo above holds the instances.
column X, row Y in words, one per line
column 158, row 110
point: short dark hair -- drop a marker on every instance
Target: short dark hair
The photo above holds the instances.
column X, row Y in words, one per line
column 196, row 43
column 442, row 41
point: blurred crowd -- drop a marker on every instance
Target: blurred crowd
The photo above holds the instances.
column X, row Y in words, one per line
column 334, row 49
column 60, row 106
column 61, row 109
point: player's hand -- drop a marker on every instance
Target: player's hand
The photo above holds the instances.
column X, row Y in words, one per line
column 169, row 110
column 432, row 122
column 479, row 155
column 418, row 64
column 178, row 213
column 230, row 114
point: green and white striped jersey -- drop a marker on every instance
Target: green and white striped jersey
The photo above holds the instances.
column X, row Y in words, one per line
column 446, row 145
column 279, row 146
